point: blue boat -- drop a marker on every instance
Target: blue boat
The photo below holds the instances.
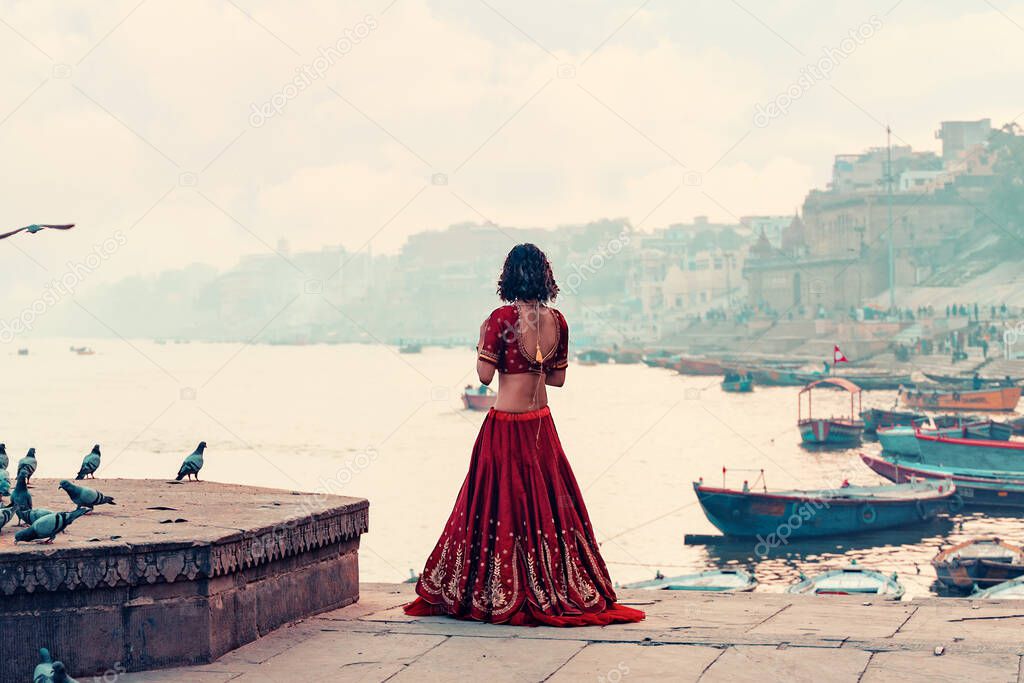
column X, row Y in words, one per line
column 775, row 517
column 971, row 453
column 851, row 580
column 874, row 418
column 978, row 563
column 716, row 580
column 737, row 383
column 902, row 440
column 832, row 430
column 974, row 488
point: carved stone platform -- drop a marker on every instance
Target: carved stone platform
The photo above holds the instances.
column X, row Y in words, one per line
column 174, row 574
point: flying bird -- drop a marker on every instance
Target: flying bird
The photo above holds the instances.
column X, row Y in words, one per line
column 48, row 526
column 4, row 460
column 90, row 464
column 85, row 497
column 193, row 463
column 21, row 499
column 28, row 465
column 34, row 228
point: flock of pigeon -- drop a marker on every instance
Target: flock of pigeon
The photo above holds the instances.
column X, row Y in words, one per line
column 45, row 524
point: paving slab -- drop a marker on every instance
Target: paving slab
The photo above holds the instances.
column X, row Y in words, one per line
column 613, row 662
column 912, row 666
column 494, row 660
column 816, row 616
column 945, row 620
column 757, row 664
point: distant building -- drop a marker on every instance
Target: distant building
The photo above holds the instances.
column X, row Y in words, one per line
column 958, row 136
column 769, row 226
column 865, row 173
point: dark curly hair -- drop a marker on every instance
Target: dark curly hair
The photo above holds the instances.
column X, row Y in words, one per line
column 527, row 276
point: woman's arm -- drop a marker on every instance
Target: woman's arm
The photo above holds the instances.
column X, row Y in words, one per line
column 555, row 378
column 484, row 367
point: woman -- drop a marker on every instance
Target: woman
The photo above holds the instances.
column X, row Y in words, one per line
column 518, row 547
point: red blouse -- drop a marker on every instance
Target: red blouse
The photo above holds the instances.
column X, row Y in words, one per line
column 503, row 345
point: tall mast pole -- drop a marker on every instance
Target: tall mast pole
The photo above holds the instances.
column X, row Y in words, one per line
column 892, row 245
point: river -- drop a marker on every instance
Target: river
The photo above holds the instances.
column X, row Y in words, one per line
column 364, row 420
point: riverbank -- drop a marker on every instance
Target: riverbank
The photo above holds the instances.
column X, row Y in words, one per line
column 686, row 637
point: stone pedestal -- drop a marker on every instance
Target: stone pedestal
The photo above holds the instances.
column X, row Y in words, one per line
column 174, row 574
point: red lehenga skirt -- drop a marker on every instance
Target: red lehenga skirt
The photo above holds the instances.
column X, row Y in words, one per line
column 518, row 547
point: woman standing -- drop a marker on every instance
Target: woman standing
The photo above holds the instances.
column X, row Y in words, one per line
column 518, row 547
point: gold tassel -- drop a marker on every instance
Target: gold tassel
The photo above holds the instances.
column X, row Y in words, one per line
column 539, row 356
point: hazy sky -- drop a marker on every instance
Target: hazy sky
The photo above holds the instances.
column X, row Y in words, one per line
column 139, row 116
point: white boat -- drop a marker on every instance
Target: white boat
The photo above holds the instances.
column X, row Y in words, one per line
column 717, row 580
column 851, row 580
column 1007, row 590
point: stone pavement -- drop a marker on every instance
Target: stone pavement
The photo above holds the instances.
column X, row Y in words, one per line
column 686, row 637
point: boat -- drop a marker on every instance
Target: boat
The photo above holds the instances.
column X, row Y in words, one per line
column 410, row 348
column 737, row 383
column 997, row 399
column 981, row 563
column 627, row 357
column 902, row 440
column 970, row 453
column 832, row 430
column 716, row 580
column 1007, row 590
column 968, row 380
column 874, row 418
column 776, row 377
column 974, row 488
column 865, row 380
column 825, row 512
column 477, row 401
column 1016, row 424
column 698, row 366
column 593, row 357
column 850, row 580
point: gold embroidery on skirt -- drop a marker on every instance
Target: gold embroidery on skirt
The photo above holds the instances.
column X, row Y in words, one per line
column 559, row 591
column 453, row 596
column 578, row 580
column 433, row 580
column 531, row 576
column 495, row 599
column 599, row 569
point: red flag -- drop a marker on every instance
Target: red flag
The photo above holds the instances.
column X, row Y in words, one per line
column 837, row 356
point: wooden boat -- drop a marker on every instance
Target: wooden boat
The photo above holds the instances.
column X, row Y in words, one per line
column 410, row 348
column 1016, row 424
column 833, row 430
column 902, row 440
column 874, row 418
column 776, row 377
column 970, row 453
column 981, row 562
column 968, row 380
column 998, row 399
column 698, row 366
column 851, row 580
column 717, row 580
column 474, row 401
column 974, row 488
column 1007, row 590
column 865, row 380
column 826, row 512
column 737, row 384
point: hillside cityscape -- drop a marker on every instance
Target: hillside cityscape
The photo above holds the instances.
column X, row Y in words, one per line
column 955, row 216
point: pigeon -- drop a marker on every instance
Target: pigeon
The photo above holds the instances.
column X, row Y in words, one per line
column 28, row 465
column 4, row 460
column 21, row 499
column 5, row 484
column 6, row 515
column 49, row 671
column 193, row 463
column 34, row 228
column 90, row 464
column 85, row 497
column 48, row 526
column 35, row 513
